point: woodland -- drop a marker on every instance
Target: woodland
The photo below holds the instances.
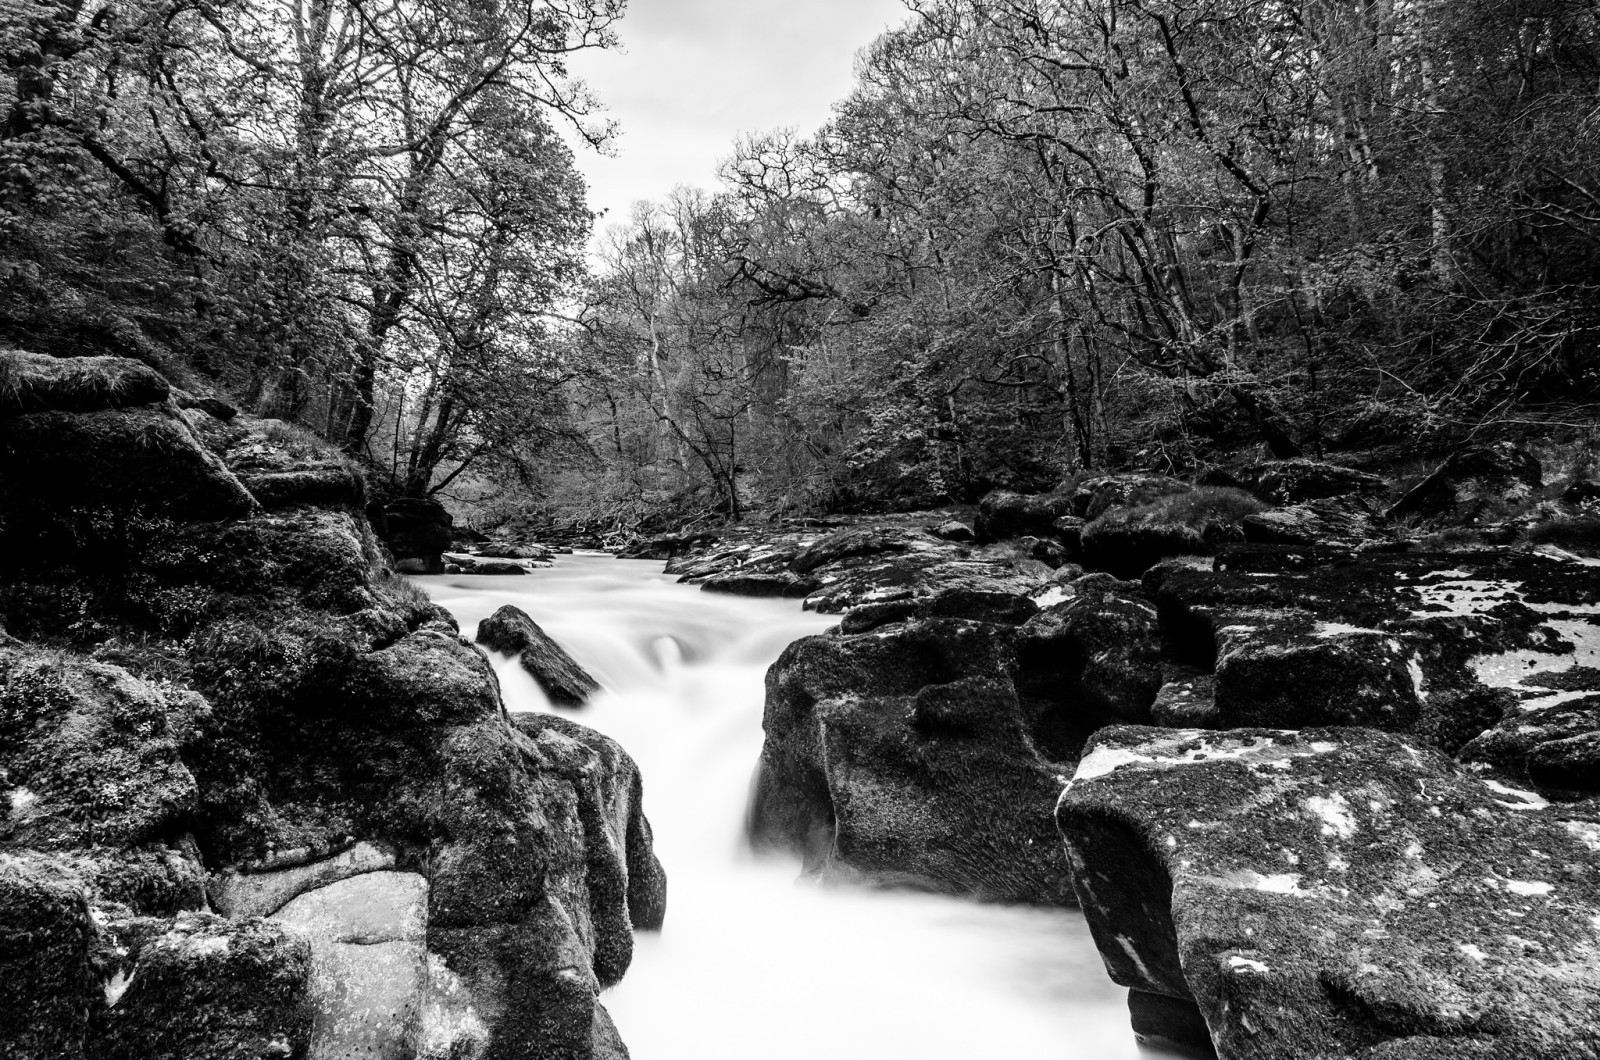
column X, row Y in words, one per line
column 1039, row 237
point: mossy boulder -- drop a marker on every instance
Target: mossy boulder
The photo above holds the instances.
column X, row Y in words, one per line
column 903, row 756
column 1472, row 484
column 1003, row 515
column 145, row 459
column 1335, row 893
column 1127, row 541
column 37, row 382
column 88, row 754
column 208, row 988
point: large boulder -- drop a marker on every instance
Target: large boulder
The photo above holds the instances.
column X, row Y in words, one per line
column 1331, row 523
column 1097, row 659
column 1553, row 747
column 1003, row 514
column 270, row 703
column 1092, row 497
column 1127, row 541
column 145, row 459
column 1473, row 484
column 511, row 631
column 1302, row 479
column 903, row 756
column 37, row 382
column 1334, row 893
column 207, row 988
column 89, row 755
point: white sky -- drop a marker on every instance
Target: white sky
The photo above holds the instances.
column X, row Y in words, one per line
column 694, row 74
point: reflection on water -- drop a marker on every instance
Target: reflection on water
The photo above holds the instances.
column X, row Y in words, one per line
column 754, row 965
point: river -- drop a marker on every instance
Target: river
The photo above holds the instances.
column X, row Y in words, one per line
column 755, row 964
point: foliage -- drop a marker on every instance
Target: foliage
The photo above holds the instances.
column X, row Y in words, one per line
column 1048, row 235
column 317, row 208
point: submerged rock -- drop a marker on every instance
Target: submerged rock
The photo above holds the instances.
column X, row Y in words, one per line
column 511, row 631
column 1335, row 893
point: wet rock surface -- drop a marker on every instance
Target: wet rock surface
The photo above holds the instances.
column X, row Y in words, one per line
column 260, row 800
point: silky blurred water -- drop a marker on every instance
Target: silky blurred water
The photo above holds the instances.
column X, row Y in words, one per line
column 755, row 964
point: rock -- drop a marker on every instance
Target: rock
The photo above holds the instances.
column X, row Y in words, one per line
column 1095, row 496
column 1187, row 699
column 1437, row 645
column 1128, row 541
column 1334, row 523
column 464, row 564
column 511, row 631
column 263, row 893
column 611, row 793
column 1334, row 893
column 783, row 583
column 326, row 486
column 212, row 989
column 215, row 407
column 668, row 546
column 1555, row 749
column 1069, row 531
column 48, row 985
column 1289, row 482
column 1098, row 658
column 368, row 936
column 903, row 757
column 1280, row 675
column 1003, row 514
column 850, row 544
column 415, row 528
column 1470, row 484
column 143, row 459
column 37, row 382
column 953, row 530
column 88, row 754
column 910, row 576
column 506, row 550
column 532, row 918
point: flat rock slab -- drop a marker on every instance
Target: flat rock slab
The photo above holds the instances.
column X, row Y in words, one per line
column 1338, row 893
column 369, row 963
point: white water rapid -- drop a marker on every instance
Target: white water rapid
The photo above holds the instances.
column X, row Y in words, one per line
column 753, row 964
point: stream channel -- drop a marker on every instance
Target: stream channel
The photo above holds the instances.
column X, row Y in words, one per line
column 753, row 962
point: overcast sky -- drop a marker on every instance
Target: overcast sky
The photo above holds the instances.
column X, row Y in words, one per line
column 694, row 74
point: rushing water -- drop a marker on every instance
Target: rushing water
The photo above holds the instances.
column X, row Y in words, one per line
column 753, row 964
